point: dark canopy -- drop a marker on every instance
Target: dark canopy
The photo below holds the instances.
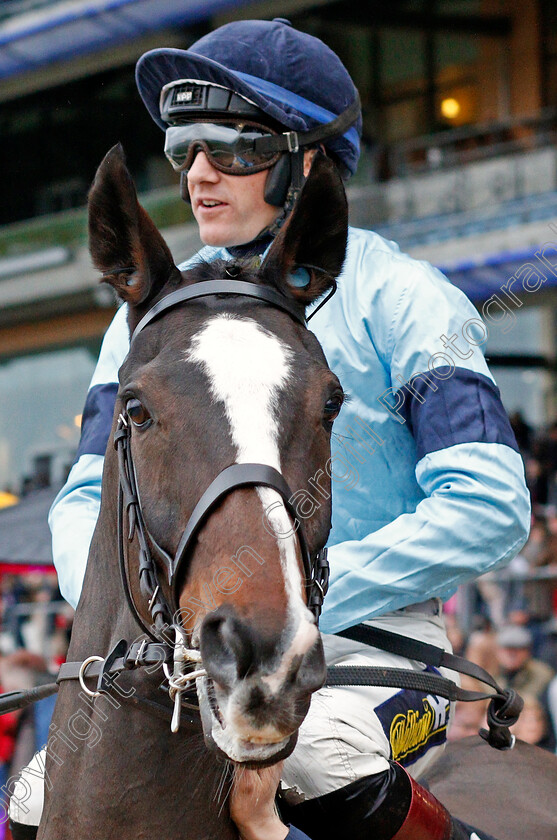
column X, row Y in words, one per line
column 24, row 532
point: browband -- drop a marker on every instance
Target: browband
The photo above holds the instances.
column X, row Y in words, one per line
column 209, row 288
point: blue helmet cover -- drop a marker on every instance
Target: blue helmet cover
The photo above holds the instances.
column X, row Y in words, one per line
column 291, row 76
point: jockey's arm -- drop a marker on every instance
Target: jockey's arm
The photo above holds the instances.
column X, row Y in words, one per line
column 73, row 515
column 474, row 510
column 475, row 516
column 252, row 805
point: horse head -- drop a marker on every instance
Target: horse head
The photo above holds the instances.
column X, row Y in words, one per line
column 209, row 384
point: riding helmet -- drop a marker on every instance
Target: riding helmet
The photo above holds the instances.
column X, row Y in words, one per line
column 293, row 78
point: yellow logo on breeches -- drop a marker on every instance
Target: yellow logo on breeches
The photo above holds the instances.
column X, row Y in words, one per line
column 412, row 730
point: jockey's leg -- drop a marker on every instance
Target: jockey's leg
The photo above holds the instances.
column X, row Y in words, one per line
column 387, row 806
column 27, row 799
column 360, row 747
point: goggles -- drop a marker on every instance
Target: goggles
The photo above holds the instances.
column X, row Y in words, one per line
column 234, row 148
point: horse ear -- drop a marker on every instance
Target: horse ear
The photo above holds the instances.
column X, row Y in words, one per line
column 123, row 236
column 308, row 253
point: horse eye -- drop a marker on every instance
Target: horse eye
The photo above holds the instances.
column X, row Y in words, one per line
column 137, row 413
column 332, row 408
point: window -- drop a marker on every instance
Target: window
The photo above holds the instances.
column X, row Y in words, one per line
column 517, row 359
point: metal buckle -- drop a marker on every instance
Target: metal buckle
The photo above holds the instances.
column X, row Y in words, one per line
column 142, row 647
column 81, row 676
column 292, row 141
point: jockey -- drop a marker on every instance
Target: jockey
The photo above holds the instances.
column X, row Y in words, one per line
column 429, row 486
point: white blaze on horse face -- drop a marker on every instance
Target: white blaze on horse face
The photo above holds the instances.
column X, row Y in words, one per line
column 248, row 368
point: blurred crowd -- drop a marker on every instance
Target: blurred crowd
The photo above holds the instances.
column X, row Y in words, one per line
column 513, row 632
column 34, row 638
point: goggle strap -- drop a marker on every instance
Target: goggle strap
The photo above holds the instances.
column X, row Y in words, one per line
column 291, row 141
column 298, row 178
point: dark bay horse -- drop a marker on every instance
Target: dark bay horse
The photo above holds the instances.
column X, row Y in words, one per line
column 217, row 381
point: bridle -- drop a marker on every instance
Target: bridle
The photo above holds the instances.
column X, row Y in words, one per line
column 162, row 609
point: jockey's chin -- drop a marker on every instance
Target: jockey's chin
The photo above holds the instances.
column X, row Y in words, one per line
column 230, row 210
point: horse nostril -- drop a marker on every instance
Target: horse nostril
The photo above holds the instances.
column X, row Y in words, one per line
column 227, row 650
column 236, row 637
column 312, row 670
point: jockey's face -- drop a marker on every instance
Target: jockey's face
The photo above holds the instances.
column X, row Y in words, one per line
column 240, row 212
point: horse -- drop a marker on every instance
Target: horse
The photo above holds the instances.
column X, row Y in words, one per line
column 220, row 374
column 223, row 383
column 509, row 794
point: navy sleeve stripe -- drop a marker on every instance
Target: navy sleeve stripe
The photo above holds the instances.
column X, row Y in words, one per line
column 464, row 407
column 295, row 834
column 97, row 419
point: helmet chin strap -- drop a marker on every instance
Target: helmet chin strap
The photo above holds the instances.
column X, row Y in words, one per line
column 290, row 189
column 296, row 183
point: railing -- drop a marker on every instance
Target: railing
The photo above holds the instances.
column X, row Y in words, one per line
column 442, row 226
column 16, row 614
column 69, row 228
column 466, row 596
column 459, row 146
column 466, row 599
column 450, row 172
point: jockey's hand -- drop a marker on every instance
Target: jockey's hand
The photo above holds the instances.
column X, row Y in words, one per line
column 252, row 803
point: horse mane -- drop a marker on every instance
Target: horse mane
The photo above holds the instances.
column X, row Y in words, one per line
column 244, row 268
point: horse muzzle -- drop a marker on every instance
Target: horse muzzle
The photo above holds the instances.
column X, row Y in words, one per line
column 257, row 691
column 220, row 740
